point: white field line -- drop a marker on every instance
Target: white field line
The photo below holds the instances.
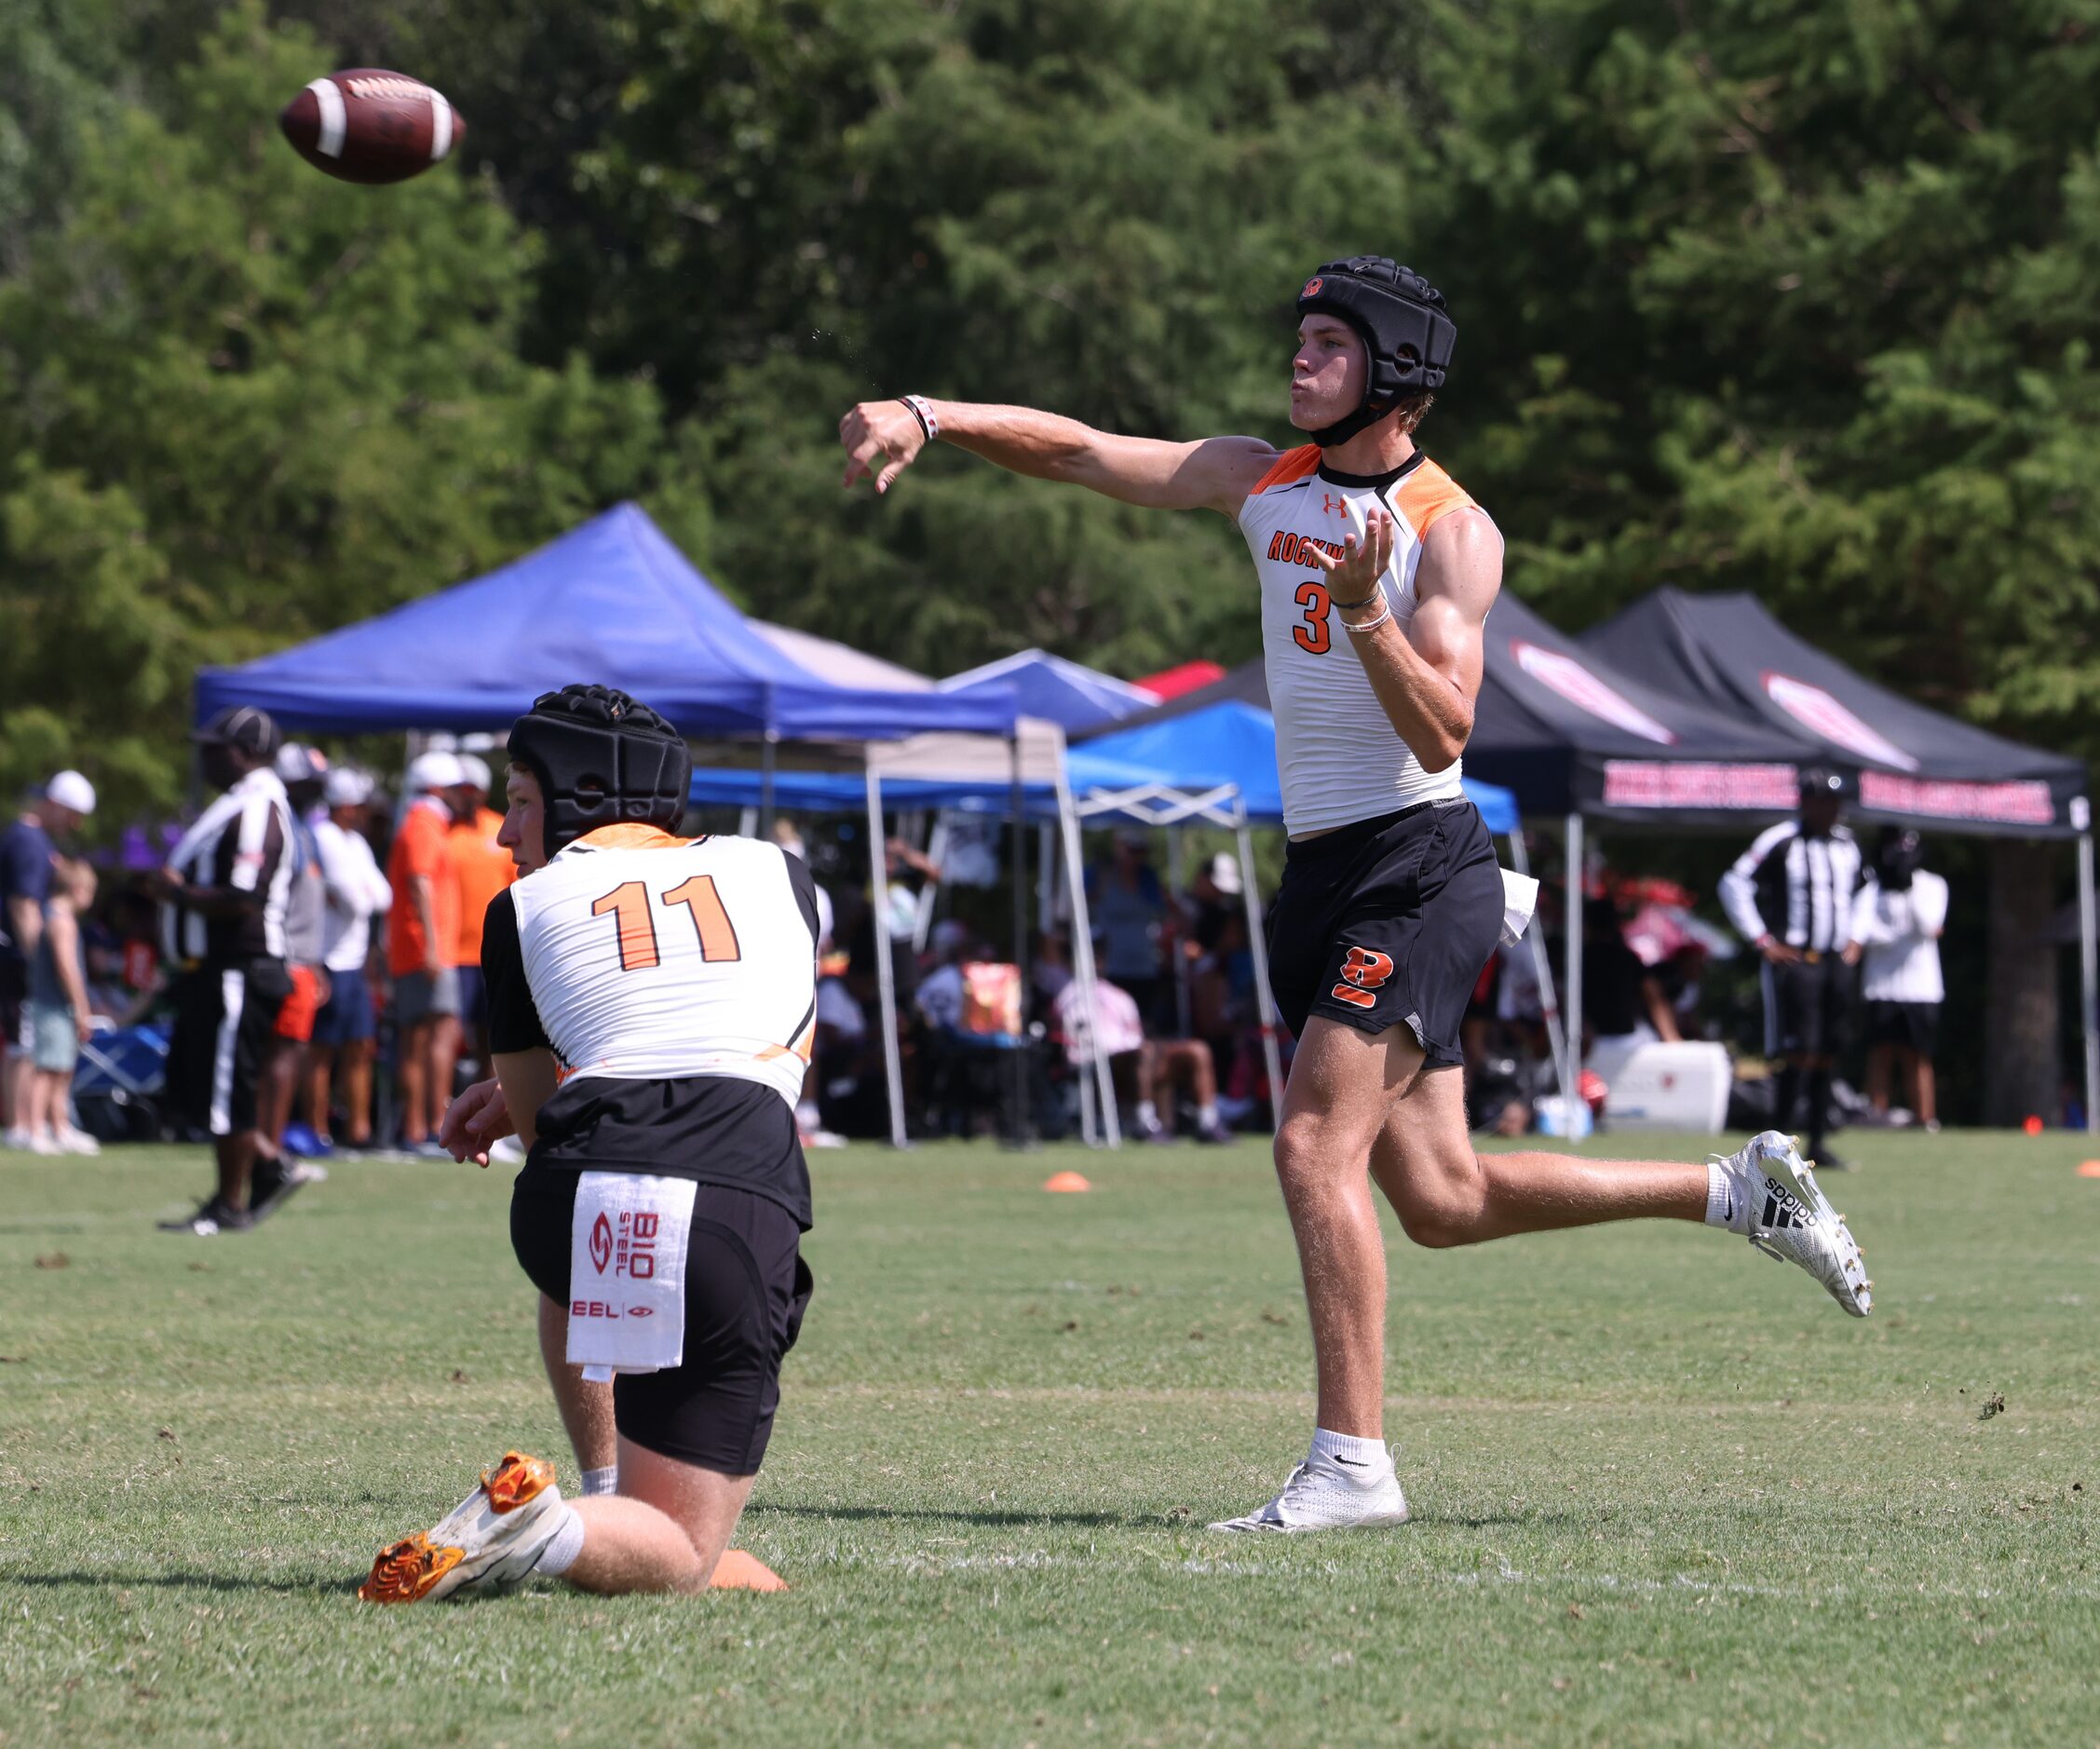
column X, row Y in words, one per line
column 1678, row 1584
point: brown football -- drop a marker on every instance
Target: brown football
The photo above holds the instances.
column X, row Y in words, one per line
column 370, row 125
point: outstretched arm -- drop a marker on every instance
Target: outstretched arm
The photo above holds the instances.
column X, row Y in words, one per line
column 883, row 437
column 1427, row 675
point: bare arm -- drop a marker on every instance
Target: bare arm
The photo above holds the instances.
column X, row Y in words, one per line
column 25, row 923
column 528, row 1079
column 1426, row 676
column 1660, row 1015
column 425, row 897
column 883, row 437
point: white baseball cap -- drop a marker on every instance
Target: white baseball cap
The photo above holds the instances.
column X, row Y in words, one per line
column 1224, row 874
column 69, row 789
column 347, row 787
column 296, row 763
column 477, row 771
column 434, row 771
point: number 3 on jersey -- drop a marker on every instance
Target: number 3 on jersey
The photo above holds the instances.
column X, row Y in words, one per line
column 1313, row 635
column 630, row 902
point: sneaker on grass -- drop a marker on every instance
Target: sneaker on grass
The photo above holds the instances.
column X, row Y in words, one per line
column 1324, row 1494
column 1776, row 1203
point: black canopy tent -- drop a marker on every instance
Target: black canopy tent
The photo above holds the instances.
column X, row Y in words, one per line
column 1576, row 737
column 1915, row 767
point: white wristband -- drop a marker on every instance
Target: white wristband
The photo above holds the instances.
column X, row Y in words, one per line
column 923, row 410
column 1384, row 614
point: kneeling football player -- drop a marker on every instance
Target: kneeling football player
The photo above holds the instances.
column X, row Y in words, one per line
column 651, row 1000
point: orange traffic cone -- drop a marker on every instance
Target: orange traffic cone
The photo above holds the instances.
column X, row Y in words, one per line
column 1065, row 1183
column 740, row 1571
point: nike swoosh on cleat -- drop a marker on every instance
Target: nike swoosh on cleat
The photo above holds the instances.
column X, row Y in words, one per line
column 1355, row 1463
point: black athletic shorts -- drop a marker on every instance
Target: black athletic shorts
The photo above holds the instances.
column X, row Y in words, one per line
column 746, row 1290
column 1912, row 1024
column 225, row 1030
column 1808, row 1006
column 1388, row 922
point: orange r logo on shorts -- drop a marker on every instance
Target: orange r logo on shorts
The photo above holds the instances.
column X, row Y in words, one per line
column 1364, row 971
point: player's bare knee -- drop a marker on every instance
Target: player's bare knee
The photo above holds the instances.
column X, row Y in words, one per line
column 1445, row 1210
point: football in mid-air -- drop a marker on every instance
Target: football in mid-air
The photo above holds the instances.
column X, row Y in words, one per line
column 370, row 125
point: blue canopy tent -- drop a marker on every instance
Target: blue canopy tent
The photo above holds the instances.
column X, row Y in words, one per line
column 1075, row 698
column 612, row 601
column 1237, row 741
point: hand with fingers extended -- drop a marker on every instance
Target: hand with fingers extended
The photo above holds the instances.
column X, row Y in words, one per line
column 882, row 439
column 1354, row 579
column 476, row 1118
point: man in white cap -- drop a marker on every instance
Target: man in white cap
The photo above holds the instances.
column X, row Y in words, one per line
column 422, row 947
column 346, row 1031
column 28, row 849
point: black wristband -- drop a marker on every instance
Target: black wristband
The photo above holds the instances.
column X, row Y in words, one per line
column 1364, row 602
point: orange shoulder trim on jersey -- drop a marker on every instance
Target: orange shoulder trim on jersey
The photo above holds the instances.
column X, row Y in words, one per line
column 630, row 836
column 1427, row 496
column 1291, row 465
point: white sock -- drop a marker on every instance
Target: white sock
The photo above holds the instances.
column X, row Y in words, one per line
column 1146, row 1115
column 605, row 1481
column 561, row 1552
column 1367, row 1459
column 1208, row 1114
column 1726, row 1203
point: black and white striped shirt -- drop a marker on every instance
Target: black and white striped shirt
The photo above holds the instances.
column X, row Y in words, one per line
column 1798, row 888
column 242, row 840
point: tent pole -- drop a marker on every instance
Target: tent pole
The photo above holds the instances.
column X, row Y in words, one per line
column 1046, row 878
column 1571, row 1080
column 2089, row 975
column 1082, row 958
column 1176, row 886
column 1265, row 1001
column 1542, row 966
column 886, row 973
column 1020, row 846
column 768, row 754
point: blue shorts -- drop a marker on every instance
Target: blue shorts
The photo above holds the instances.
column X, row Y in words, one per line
column 346, row 1017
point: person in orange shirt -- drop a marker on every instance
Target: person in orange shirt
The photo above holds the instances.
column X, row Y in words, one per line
column 422, row 947
column 484, row 869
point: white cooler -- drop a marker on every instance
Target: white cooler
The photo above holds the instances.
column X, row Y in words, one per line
column 1667, row 1087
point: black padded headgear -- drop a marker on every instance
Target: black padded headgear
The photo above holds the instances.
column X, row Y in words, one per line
column 1902, row 855
column 1403, row 325
column 602, row 760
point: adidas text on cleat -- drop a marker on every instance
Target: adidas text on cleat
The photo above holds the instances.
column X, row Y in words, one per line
column 491, row 1539
column 1791, row 1218
column 1322, row 1495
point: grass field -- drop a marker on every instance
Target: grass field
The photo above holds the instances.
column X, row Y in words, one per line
column 1666, row 1491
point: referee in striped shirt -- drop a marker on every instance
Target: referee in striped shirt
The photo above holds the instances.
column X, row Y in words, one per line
column 1791, row 894
column 226, row 888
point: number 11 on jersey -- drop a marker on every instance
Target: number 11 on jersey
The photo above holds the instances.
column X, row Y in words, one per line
column 630, row 902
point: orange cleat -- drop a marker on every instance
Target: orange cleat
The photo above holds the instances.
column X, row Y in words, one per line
column 491, row 1541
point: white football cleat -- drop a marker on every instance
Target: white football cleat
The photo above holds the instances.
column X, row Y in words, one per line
column 1324, row 1494
column 1791, row 1218
column 490, row 1541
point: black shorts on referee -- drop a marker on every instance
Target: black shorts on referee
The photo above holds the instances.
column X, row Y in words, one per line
column 1808, row 1006
column 1387, row 922
column 225, row 1030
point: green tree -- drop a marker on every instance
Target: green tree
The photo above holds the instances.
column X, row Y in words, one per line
column 244, row 403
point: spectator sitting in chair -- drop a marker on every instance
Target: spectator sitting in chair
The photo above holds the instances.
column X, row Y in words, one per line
column 1152, row 1066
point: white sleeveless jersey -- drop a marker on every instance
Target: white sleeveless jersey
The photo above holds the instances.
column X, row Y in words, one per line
column 1337, row 750
column 651, row 958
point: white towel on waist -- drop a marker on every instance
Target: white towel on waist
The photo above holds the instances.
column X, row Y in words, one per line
column 627, row 1273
